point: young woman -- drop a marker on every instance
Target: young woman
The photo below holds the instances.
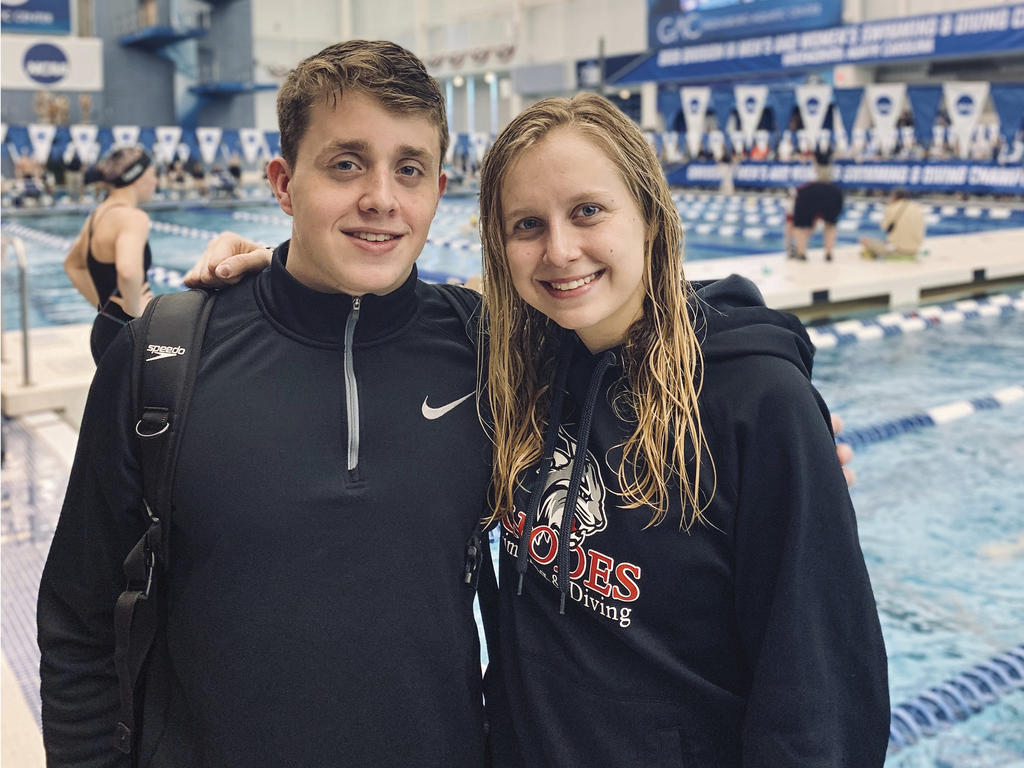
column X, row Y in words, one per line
column 682, row 582
column 108, row 261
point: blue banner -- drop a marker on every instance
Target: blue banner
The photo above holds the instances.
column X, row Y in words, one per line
column 977, row 32
column 683, row 22
column 976, row 178
column 50, row 17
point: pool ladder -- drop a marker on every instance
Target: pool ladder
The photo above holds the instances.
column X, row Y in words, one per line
column 19, row 253
column 957, row 699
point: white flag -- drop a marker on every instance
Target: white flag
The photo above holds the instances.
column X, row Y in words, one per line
column 83, row 136
column 41, row 135
column 964, row 102
column 695, row 107
column 670, row 141
column 125, row 135
column 209, row 143
column 750, row 101
column 167, row 138
column 813, row 101
column 3, row 132
column 253, row 143
column 885, row 103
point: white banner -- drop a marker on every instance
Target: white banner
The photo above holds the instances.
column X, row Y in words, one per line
column 814, row 101
column 41, row 135
column 167, row 138
column 209, row 143
column 885, row 103
column 670, row 142
column 83, row 136
column 695, row 107
column 964, row 102
column 3, row 132
column 125, row 135
column 35, row 62
column 750, row 104
column 253, row 144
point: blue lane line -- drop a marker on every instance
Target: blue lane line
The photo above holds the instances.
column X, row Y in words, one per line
column 924, row 318
column 940, row 414
column 957, row 699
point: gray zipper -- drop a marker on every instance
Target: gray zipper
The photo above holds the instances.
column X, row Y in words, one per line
column 351, row 391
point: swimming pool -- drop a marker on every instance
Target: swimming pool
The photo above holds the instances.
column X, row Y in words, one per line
column 716, row 226
column 940, row 510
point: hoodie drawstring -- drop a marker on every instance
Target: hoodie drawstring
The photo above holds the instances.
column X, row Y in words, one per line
column 547, row 458
column 579, row 464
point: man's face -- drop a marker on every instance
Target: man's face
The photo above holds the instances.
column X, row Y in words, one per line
column 362, row 193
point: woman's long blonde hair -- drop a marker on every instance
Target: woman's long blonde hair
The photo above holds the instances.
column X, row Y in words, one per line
column 660, row 355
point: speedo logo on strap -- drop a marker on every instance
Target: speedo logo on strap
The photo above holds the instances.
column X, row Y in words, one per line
column 159, row 352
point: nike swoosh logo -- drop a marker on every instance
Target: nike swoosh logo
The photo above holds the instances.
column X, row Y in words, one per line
column 437, row 413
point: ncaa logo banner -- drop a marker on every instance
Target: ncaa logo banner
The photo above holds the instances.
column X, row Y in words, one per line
column 125, row 135
column 167, row 138
column 695, row 107
column 885, row 103
column 47, row 16
column 209, row 143
column 750, row 101
column 964, row 102
column 814, row 101
column 33, row 63
column 41, row 137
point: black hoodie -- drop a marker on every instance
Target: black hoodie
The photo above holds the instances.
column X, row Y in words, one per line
column 750, row 640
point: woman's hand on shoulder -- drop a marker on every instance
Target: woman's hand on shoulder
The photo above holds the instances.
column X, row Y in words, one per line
column 227, row 259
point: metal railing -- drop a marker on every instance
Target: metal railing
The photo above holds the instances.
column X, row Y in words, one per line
column 19, row 253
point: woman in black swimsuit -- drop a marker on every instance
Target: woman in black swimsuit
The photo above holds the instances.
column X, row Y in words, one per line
column 108, row 261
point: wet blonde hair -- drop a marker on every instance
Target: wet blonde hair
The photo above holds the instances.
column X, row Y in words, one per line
column 660, row 356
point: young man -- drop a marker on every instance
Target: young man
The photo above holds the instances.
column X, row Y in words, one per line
column 331, row 472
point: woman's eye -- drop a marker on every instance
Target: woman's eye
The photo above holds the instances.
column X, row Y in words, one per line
column 589, row 210
column 528, row 224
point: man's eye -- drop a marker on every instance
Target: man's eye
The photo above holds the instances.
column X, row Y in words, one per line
column 409, row 170
column 345, row 165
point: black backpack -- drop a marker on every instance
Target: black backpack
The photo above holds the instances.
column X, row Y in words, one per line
column 168, row 342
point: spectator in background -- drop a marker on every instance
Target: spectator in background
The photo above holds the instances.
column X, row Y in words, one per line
column 904, row 225
column 818, row 200
column 73, row 173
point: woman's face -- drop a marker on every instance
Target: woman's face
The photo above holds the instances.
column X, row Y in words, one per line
column 574, row 238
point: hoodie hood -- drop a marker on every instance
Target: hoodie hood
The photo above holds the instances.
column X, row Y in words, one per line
column 731, row 320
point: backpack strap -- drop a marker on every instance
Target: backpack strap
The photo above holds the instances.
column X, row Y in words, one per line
column 168, row 342
column 466, row 302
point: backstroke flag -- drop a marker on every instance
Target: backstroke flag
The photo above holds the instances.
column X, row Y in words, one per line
column 695, row 107
column 814, row 101
column 964, row 102
column 167, row 138
column 209, row 143
column 41, row 135
column 125, row 135
column 83, row 136
column 252, row 143
column 750, row 101
column 885, row 102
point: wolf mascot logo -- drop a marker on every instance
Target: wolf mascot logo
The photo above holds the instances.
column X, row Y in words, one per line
column 590, row 514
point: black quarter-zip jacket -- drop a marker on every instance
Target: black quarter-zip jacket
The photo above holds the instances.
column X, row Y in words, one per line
column 325, row 491
column 751, row 640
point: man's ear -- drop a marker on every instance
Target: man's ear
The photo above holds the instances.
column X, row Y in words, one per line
column 280, row 178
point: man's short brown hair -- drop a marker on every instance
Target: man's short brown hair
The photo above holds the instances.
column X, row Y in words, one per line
column 383, row 70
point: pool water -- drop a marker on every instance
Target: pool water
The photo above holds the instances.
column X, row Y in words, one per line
column 941, row 518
